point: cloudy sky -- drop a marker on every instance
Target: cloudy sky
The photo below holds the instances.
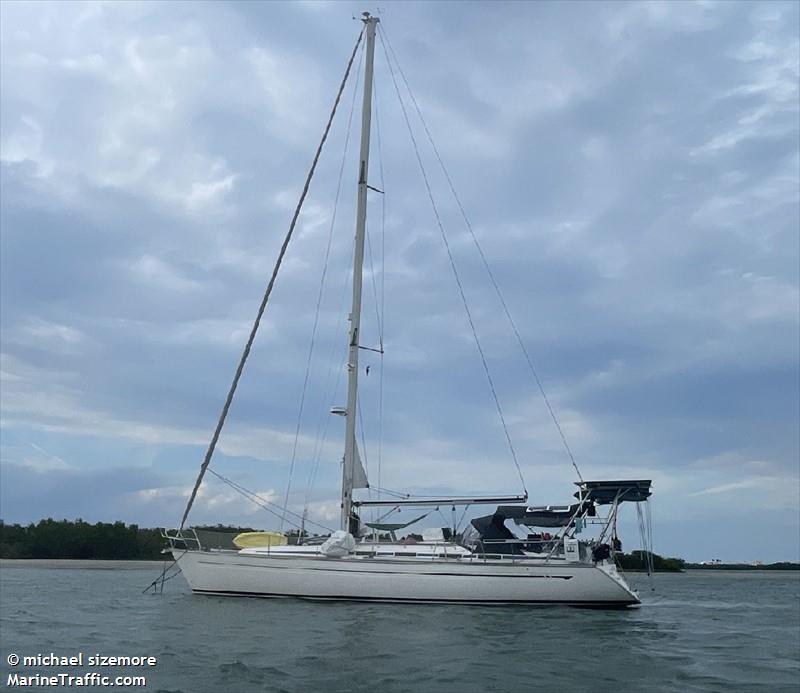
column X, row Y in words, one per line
column 631, row 171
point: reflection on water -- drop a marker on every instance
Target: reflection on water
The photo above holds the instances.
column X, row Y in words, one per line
column 698, row 631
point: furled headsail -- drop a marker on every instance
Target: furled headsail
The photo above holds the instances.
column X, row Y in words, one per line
column 359, row 474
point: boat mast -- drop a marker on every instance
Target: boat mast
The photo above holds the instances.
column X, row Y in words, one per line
column 350, row 454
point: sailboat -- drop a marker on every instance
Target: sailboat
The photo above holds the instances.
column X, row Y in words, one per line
column 489, row 564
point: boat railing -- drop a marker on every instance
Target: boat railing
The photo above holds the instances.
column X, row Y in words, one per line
column 494, row 547
column 182, row 539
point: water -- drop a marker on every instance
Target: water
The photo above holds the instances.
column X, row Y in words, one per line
column 700, row 631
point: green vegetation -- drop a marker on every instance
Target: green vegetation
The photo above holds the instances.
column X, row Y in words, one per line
column 79, row 539
column 783, row 565
column 637, row 560
column 102, row 541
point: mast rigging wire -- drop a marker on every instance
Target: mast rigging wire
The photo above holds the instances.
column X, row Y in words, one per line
column 389, row 492
column 323, row 424
column 374, row 288
column 323, row 421
column 265, row 504
column 485, row 262
column 263, row 305
column 453, row 267
column 383, row 281
column 320, row 293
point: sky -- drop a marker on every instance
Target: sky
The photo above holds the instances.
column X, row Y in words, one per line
column 631, row 172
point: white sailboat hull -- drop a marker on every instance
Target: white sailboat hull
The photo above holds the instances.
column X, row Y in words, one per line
column 472, row 581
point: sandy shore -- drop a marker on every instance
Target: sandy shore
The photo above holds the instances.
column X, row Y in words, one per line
column 57, row 563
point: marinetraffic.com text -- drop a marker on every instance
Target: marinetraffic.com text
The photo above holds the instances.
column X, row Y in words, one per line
column 24, row 674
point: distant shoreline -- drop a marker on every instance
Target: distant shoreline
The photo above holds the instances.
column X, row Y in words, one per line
column 85, row 563
column 732, row 568
column 780, row 565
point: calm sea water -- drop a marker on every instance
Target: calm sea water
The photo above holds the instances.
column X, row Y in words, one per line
column 699, row 631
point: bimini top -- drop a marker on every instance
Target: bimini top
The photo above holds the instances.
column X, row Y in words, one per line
column 605, row 492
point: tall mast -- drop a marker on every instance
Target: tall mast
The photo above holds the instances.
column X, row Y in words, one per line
column 350, row 454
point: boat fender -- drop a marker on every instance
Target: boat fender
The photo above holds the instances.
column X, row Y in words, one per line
column 338, row 544
column 601, row 552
